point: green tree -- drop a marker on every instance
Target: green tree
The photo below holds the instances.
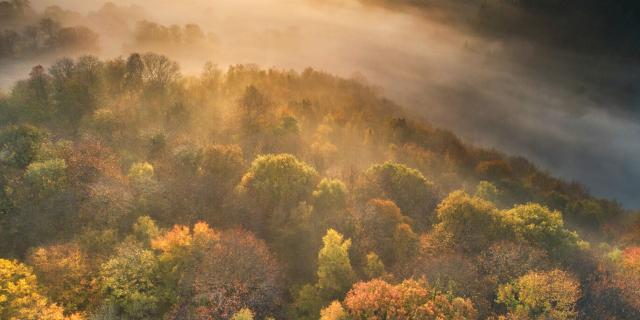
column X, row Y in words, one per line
column 46, row 178
column 130, row 283
column 45, row 204
column 275, row 184
column 20, row 145
column 78, row 88
column 307, row 303
column 34, row 96
column 335, row 274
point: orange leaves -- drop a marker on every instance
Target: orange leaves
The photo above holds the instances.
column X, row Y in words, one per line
column 378, row 300
column 631, row 259
column 181, row 239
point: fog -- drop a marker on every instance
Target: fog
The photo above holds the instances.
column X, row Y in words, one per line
column 570, row 113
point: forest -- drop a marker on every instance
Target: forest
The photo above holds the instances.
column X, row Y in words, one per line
column 130, row 189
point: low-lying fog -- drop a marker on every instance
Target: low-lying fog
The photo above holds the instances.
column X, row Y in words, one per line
column 570, row 114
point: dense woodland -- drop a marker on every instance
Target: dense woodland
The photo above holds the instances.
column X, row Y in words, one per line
column 130, row 191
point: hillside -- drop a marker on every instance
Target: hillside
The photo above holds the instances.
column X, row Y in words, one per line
column 131, row 191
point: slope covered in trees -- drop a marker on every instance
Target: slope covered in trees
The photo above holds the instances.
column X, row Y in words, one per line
column 130, row 191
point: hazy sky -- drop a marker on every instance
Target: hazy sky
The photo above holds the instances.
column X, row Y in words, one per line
column 571, row 114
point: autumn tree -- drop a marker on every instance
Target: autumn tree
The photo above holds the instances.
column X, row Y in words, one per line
column 237, row 272
column 20, row 296
column 335, row 275
column 506, row 261
column 243, row 314
column 334, row 311
column 64, row 272
column 411, row 299
column 541, row 295
column 473, row 222
column 406, row 187
column 386, row 232
column 542, row 227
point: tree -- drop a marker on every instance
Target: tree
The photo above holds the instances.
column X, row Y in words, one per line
column 45, row 204
column 78, row 88
column 330, row 203
column 408, row 188
column 46, row 178
column 159, row 73
column 335, row 274
column 506, row 261
column 34, row 95
column 236, row 272
column 275, row 184
column 64, row 272
column 386, row 232
column 243, row 314
column 133, row 76
column 541, row 295
column 222, row 167
column 145, row 230
column 109, row 205
column 254, row 111
column 307, row 303
column 334, row 311
column 130, row 283
column 410, row 300
column 542, row 227
column 330, row 195
column 473, row 222
column 374, row 268
column 147, row 190
column 19, row 145
column 20, row 298
column 488, row 191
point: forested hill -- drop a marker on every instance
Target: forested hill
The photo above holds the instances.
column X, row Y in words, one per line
column 130, row 191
